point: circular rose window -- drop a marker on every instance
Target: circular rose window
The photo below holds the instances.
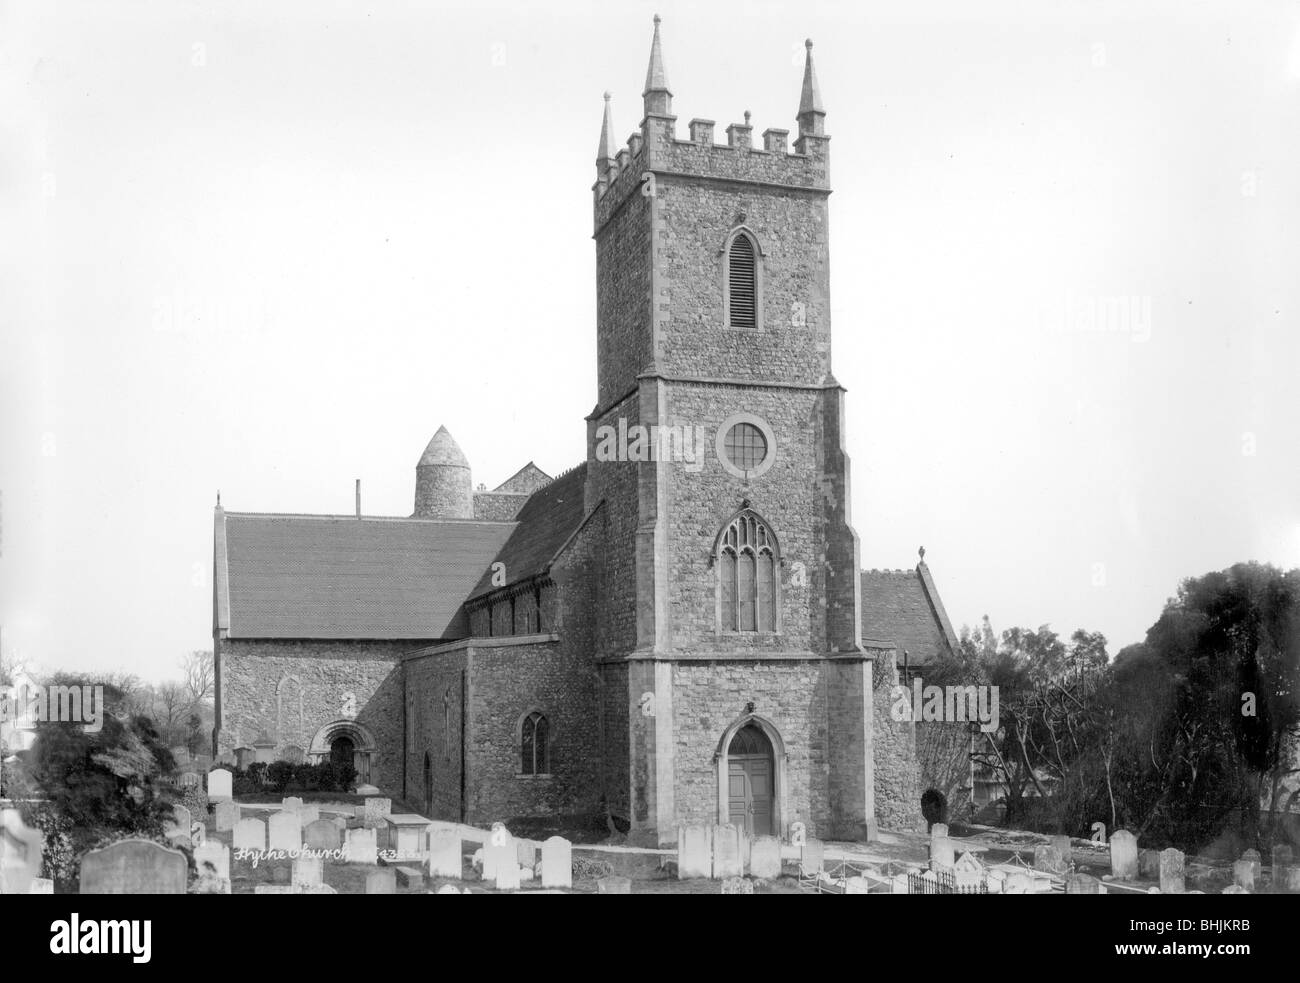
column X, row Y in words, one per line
column 745, row 445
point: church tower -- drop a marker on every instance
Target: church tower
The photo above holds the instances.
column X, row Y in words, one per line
column 443, row 485
column 731, row 587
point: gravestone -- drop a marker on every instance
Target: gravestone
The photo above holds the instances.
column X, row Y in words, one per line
column 444, row 853
column 765, row 858
column 20, row 853
column 498, row 852
column 411, row 878
column 219, row 785
column 407, row 835
column 730, row 885
column 507, row 871
column 1172, row 866
column 1018, row 882
column 812, row 858
column 857, row 885
column 250, row 834
column 1252, row 857
column 134, row 866
column 1290, row 879
column 360, row 845
column 527, row 852
column 227, row 815
column 1083, row 884
column 557, row 862
column 614, row 885
column 728, row 860
column 1243, row 874
column 1063, row 847
column 308, row 813
column 938, row 829
column 213, row 859
column 1149, row 864
column 307, row 872
column 284, row 832
column 181, row 819
column 1048, row 857
column 291, row 804
column 376, row 811
column 968, row 872
column 694, row 851
column 321, row 835
column 1123, row 855
column 943, row 852
column 382, row 880
column 898, row 884
column 340, row 822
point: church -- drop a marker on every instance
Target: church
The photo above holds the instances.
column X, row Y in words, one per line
column 676, row 630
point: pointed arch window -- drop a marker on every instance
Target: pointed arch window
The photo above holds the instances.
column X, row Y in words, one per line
column 534, row 744
column 747, row 557
column 742, row 287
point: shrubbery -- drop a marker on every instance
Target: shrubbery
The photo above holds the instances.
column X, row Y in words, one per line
column 287, row 778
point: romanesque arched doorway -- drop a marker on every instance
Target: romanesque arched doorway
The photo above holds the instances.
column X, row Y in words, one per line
column 751, row 781
column 345, row 742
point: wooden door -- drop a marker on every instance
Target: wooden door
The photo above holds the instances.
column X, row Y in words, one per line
column 750, row 790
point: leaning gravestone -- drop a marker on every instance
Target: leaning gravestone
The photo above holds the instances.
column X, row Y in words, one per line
column 284, row 832
column 20, row 853
column 1123, row 855
column 219, row 785
column 360, row 846
column 227, row 815
column 728, row 860
column 250, row 834
column 444, row 852
column 134, row 866
column 557, row 862
column 694, row 851
column 321, row 835
column 1172, row 867
column 765, row 858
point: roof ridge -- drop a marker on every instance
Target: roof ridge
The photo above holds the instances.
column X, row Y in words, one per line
column 350, row 517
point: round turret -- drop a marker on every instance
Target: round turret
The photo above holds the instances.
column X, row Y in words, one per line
column 443, row 489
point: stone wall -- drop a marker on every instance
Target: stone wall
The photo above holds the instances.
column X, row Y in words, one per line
column 435, row 695
column 898, row 774
column 264, row 681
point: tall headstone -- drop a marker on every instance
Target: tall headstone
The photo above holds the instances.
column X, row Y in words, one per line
column 360, row 846
column 728, row 859
column 1123, row 855
column 1172, row 867
column 250, row 834
column 500, row 858
column 557, row 862
column 284, row 832
column 527, row 853
column 227, row 815
column 134, row 866
column 444, row 853
column 219, row 785
column 377, row 811
column 20, row 853
column 943, row 852
column 1243, row 875
column 694, row 851
column 765, row 858
column 321, row 835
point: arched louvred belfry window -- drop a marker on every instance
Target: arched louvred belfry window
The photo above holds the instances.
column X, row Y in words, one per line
column 747, row 557
column 534, row 741
column 742, row 283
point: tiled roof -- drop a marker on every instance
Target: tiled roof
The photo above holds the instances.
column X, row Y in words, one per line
column 551, row 515
column 903, row 607
column 305, row 576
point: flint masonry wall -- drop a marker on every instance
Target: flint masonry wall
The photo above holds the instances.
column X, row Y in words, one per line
column 262, row 683
column 898, row 774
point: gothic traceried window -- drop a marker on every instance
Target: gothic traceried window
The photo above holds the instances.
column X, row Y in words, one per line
column 534, row 745
column 747, row 559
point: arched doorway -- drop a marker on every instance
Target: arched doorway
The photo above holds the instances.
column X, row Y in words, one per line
column 345, row 741
column 751, row 781
column 342, row 750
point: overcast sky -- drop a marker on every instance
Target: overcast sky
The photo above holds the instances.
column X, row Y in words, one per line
column 268, row 248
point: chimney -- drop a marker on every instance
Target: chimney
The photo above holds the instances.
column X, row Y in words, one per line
column 358, row 498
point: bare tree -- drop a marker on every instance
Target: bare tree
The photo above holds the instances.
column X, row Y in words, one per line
column 199, row 675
